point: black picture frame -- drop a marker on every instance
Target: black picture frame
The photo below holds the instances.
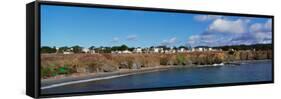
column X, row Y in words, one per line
column 33, row 81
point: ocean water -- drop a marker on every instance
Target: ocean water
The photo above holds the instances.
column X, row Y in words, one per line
column 246, row 72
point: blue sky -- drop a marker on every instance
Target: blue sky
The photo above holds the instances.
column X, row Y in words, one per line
column 69, row 26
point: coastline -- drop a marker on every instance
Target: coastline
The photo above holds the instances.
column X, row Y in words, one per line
column 74, row 79
column 54, row 82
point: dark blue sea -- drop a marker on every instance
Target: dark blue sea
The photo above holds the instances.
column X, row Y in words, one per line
column 246, row 72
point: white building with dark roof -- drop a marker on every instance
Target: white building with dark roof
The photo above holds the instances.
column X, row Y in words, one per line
column 137, row 50
column 85, row 50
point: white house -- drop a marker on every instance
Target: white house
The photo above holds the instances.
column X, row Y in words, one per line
column 200, row 49
column 67, row 52
column 155, row 50
column 85, row 50
column 197, row 49
column 181, row 50
column 137, row 50
column 126, row 52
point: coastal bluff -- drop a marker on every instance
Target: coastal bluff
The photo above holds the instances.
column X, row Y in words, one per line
column 61, row 65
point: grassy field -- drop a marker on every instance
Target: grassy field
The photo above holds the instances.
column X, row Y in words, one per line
column 53, row 65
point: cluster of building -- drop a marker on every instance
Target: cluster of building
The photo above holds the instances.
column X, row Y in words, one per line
column 70, row 51
column 145, row 50
column 152, row 50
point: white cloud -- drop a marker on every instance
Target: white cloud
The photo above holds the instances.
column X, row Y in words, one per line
column 170, row 42
column 233, row 32
column 192, row 40
column 228, row 26
column 262, row 31
column 115, row 39
column 206, row 17
column 256, row 27
column 263, row 37
column 131, row 37
column 207, row 40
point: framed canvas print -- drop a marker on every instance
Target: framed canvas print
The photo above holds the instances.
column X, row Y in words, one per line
column 82, row 49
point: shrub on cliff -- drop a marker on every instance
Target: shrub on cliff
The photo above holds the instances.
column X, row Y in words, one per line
column 54, row 71
column 47, row 72
column 181, row 59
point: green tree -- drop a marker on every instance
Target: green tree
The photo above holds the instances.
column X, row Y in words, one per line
column 131, row 48
column 77, row 49
column 47, row 49
column 107, row 50
column 114, row 48
column 123, row 47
